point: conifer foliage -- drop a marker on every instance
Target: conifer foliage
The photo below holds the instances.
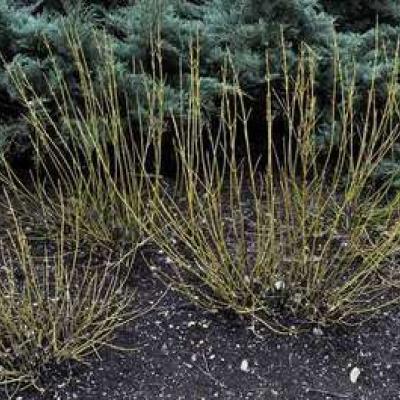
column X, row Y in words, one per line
column 32, row 37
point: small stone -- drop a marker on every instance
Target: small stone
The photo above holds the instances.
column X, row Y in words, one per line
column 317, row 331
column 244, row 366
column 354, row 374
column 279, row 285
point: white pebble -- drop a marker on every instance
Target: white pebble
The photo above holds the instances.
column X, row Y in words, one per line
column 317, row 331
column 244, row 366
column 279, row 285
column 354, row 374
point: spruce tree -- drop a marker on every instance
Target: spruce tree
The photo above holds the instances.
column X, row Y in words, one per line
column 243, row 30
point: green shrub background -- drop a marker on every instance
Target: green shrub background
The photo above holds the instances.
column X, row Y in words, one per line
column 31, row 33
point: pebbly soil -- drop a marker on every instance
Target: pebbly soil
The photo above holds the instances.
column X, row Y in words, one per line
column 181, row 352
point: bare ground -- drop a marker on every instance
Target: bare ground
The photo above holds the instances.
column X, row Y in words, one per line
column 182, row 352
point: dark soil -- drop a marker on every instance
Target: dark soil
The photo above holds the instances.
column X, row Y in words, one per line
column 183, row 352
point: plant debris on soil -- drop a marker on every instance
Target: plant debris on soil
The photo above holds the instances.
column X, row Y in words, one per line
column 178, row 351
